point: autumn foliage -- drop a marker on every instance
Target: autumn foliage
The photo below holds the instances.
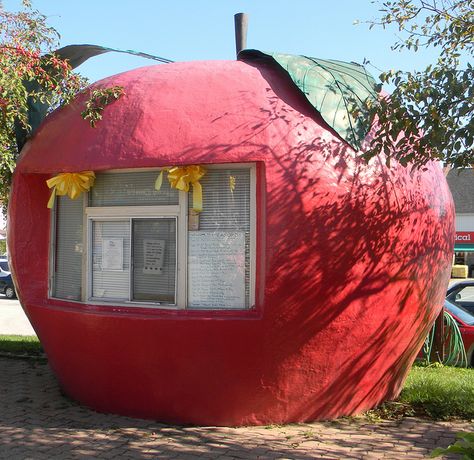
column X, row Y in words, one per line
column 31, row 74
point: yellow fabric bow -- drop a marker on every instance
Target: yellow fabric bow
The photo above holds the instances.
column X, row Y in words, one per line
column 71, row 184
column 180, row 177
column 232, row 184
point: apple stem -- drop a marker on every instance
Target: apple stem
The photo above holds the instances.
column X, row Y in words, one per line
column 241, row 26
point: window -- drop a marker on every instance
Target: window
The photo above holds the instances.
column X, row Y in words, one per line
column 219, row 244
column 134, row 260
column 128, row 244
column 69, row 249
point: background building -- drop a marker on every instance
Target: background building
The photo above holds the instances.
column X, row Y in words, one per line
column 461, row 183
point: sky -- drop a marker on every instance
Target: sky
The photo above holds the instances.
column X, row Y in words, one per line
column 188, row 30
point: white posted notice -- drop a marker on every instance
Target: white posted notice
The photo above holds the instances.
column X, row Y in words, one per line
column 216, row 269
column 112, row 254
column 154, row 251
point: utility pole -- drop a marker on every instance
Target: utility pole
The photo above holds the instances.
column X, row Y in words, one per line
column 241, row 27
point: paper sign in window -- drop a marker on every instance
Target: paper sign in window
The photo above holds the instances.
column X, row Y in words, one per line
column 112, row 254
column 154, row 252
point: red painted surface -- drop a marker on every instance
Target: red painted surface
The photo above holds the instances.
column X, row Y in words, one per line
column 352, row 260
column 467, row 334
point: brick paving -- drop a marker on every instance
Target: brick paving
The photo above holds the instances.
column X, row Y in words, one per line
column 38, row 422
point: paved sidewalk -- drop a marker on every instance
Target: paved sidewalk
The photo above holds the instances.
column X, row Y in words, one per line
column 38, row 422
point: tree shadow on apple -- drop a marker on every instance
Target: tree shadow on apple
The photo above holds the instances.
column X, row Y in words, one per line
column 363, row 254
column 357, row 259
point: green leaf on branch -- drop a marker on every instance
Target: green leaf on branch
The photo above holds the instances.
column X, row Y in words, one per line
column 429, row 115
column 98, row 100
column 464, row 447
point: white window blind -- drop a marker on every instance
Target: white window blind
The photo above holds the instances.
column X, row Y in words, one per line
column 219, row 244
column 67, row 279
column 131, row 189
column 224, row 208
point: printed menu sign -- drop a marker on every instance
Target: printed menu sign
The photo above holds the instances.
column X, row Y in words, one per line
column 153, row 251
column 216, row 270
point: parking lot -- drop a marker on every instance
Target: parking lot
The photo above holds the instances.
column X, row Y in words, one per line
column 13, row 319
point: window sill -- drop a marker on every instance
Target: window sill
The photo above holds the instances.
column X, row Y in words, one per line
column 148, row 311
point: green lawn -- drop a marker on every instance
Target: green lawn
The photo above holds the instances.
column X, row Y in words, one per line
column 440, row 392
column 20, row 344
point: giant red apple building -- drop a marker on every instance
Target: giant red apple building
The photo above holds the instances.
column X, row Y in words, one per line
column 303, row 290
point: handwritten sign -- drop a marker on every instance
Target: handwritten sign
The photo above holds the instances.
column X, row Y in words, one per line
column 154, row 251
column 216, row 269
column 112, row 254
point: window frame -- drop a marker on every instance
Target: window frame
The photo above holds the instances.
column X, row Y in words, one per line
column 180, row 212
column 98, row 214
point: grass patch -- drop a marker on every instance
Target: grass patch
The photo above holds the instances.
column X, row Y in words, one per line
column 439, row 392
column 21, row 345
